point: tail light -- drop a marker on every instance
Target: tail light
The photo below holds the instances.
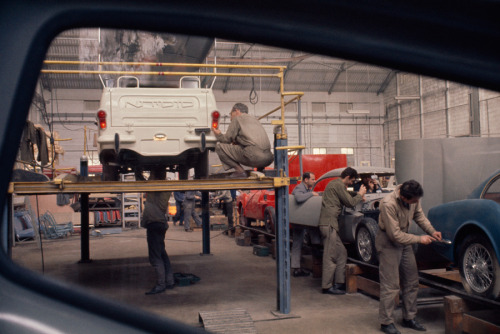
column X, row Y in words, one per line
column 101, row 115
column 215, row 119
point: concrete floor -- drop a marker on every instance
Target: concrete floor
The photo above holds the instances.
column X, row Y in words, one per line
column 231, row 277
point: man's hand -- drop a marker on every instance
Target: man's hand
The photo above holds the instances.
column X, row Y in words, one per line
column 362, row 190
column 315, row 193
column 216, row 131
column 437, row 235
column 426, row 239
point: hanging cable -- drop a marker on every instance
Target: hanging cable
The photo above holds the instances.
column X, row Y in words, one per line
column 253, row 96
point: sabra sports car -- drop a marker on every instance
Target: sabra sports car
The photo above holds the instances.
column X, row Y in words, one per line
column 357, row 225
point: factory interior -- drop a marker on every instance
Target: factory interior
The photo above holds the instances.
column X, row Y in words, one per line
column 76, row 204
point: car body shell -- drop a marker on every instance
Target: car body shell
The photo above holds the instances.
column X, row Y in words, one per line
column 307, row 213
column 252, row 205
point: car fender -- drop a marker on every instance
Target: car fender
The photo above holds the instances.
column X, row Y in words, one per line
column 456, row 219
column 348, row 224
column 306, row 213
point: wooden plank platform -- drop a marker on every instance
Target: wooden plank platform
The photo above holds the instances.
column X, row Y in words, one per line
column 232, row 321
column 461, row 317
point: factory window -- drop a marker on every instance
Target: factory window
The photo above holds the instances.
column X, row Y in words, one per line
column 343, row 107
column 318, row 107
column 291, row 109
column 319, row 150
column 347, row 150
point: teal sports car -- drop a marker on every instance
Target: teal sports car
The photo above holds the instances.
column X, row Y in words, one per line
column 473, row 226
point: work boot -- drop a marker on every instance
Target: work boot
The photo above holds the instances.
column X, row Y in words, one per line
column 413, row 324
column 238, row 175
column 300, row 273
column 389, row 329
column 333, row 291
column 157, row 289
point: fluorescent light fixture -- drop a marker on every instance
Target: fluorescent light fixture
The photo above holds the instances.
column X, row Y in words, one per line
column 358, row 111
column 407, row 98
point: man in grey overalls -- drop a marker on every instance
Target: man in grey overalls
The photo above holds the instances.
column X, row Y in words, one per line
column 154, row 219
column 397, row 265
column 301, row 193
column 244, row 143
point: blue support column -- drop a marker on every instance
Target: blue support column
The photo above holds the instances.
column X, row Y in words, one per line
column 84, row 214
column 205, row 218
column 282, row 228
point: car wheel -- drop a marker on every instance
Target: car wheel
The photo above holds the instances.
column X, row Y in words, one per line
column 270, row 219
column 110, row 173
column 244, row 221
column 479, row 267
column 365, row 241
column 201, row 168
column 183, row 172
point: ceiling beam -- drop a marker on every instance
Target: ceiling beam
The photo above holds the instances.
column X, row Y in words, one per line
column 235, row 49
column 386, row 82
column 342, row 69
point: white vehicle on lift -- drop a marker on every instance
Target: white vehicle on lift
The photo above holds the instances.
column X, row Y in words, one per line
column 140, row 128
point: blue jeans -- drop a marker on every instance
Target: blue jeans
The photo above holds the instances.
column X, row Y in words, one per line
column 179, row 214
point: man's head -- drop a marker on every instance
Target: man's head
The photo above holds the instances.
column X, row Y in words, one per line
column 349, row 175
column 308, row 178
column 238, row 109
column 411, row 191
column 365, row 179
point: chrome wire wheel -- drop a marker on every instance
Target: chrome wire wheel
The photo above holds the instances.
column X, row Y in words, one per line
column 365, row 240
column 364, row 244
column 478, row 268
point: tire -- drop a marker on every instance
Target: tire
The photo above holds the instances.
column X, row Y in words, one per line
column 270, row 220
column 201, row 168
column 244, row 221
column 365, row 241
column 183, row 173
column 479, row 267
column 110, row 173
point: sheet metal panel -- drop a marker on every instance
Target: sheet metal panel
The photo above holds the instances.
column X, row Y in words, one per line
column 449, row 169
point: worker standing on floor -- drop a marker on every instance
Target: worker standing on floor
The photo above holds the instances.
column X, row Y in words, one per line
column 154, row 219
column 301, row 193
column 397, row 265
column 179, row 206
column 190, row 210
column 334, row 252
column 227, row 199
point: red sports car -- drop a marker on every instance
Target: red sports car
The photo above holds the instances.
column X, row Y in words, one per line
column 258, row 205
